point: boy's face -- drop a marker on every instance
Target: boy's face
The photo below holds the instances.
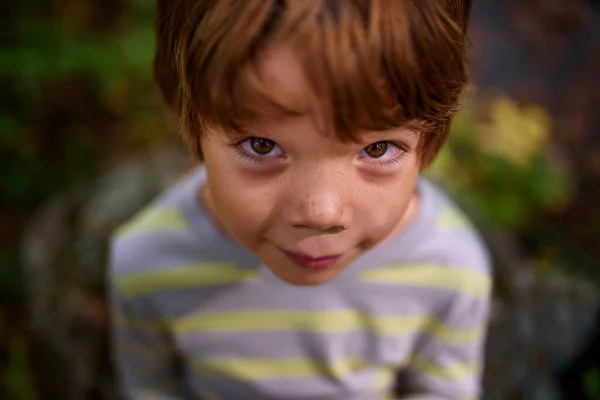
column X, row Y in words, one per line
column 303, row 201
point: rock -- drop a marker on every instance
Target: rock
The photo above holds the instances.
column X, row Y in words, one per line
column 534, row 322
column 64, row 256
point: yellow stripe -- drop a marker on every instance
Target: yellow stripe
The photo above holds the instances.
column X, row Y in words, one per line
column 384, row 379
column 323, row 322
column 450, row 218
column 432, row 276
column 154, row 219
column 261, row 369
column 185, row 277
column 441, row 332
column 316, row 322
column 157, row 392
column 454, row 372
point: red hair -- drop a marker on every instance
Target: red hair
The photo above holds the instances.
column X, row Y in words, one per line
column 377, row 64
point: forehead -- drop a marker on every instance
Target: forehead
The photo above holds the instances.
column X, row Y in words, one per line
column 277, row 90
column 282, row 75
column 281, row 85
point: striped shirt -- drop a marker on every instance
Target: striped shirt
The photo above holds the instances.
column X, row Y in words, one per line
column 195, row 316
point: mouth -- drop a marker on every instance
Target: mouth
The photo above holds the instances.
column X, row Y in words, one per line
column 308, row 262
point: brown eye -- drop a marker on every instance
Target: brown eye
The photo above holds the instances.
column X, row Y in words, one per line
column 376, row 150
column 262, row 146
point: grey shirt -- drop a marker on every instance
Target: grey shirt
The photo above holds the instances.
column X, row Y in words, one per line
column 197, row 316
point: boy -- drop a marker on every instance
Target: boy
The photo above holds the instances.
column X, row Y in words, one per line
column 304, row 259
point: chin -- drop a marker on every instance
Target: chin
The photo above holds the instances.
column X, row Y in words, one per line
column 314, row 279
column 298, row 276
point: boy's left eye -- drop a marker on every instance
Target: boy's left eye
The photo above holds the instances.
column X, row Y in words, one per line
column 380, row 150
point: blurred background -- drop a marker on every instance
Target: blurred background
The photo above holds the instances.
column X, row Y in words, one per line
column 85, row 142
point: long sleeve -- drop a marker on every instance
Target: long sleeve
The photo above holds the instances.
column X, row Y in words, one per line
column 448, row 360
column 143, row 352
column 145, row 361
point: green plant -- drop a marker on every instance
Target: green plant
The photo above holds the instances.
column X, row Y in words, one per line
column 501, row 167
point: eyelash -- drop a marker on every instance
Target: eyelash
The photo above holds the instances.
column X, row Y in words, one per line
column 387, row 162
column 255, row 159
column 244, row 156
column 263, row 160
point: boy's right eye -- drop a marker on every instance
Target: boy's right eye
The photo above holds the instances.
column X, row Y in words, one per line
column 259, row 149
column 261, row 146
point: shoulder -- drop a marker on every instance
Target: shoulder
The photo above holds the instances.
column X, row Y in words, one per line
column 172, row 246
column 451, row 248
column 452, row 239
column 159, row 237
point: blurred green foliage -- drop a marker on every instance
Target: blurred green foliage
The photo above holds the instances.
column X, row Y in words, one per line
column 77, row 76
column 77, row 91
column 592, row 383
column 501, row 165
column 17, row 383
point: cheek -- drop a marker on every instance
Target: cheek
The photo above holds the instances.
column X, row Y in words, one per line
column 386, row 205
column 384, row 212
column 244, row 207
column 243, row 204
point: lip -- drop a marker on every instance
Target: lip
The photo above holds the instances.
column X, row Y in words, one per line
column 307, row 262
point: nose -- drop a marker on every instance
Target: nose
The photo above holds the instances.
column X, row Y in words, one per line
column 317, row 201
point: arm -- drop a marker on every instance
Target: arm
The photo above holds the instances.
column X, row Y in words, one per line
column 447, row 361
column 144, row 359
